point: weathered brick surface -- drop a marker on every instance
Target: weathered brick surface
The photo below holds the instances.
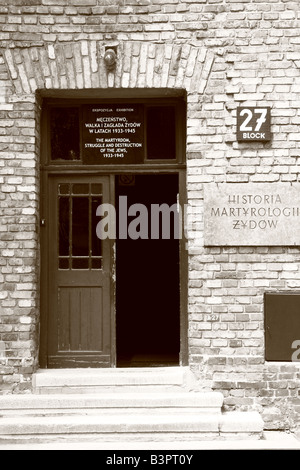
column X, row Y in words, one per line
column 224, row 53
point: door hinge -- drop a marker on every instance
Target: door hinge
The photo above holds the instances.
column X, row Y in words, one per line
column 43, row 222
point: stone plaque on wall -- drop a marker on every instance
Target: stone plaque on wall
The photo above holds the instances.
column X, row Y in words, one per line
column 253, row 214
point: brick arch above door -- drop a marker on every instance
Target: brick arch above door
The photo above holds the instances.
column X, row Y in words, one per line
column 80, row 65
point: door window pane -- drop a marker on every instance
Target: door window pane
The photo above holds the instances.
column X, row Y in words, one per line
column 80, row 226
column 64, row 188
column 64, row 127
column 80, row 263
column 161, row 131
column 64, row 226
column 96, row 263
column 78, row 244
column 80, row 188
column 97, row 189
column 64, row 263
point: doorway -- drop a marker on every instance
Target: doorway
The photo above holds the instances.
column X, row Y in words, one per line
column 147, row 274
column 113, row 301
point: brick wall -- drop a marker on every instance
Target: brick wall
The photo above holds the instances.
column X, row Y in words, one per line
column 224, row 53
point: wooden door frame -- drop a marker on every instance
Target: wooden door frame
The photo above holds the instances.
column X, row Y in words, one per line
column 156, row 167
column 45, row 220
column 183, row 266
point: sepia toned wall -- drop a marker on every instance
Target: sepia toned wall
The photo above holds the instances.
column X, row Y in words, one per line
column 224, row 53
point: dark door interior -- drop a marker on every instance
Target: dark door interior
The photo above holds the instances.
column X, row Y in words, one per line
column 147, row 287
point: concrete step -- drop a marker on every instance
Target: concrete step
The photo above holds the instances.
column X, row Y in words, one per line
column 151, row 426
column 160, row 379
column 33, row 405
column 271, row 440
column 106, row 405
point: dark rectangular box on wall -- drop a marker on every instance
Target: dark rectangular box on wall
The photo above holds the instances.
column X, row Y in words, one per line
column 282, row 325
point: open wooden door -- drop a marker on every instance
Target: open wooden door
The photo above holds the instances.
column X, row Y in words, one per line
column 79, row 313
